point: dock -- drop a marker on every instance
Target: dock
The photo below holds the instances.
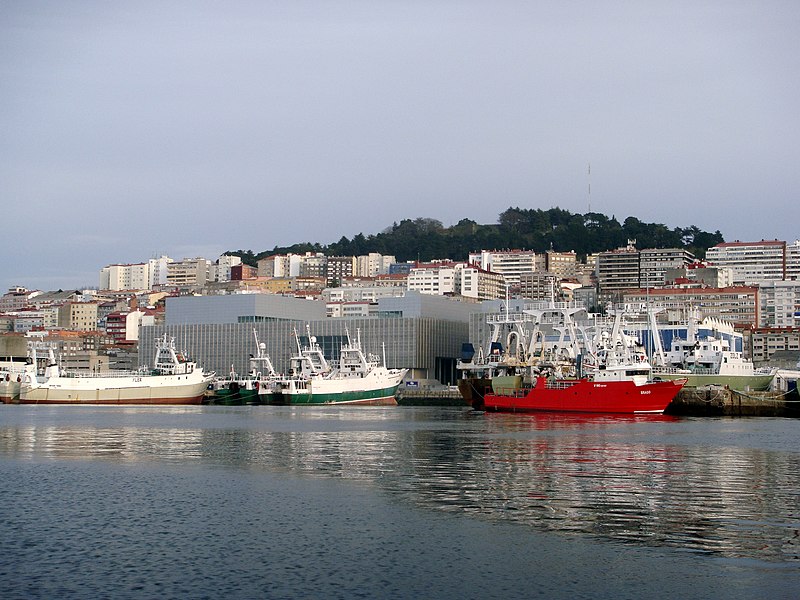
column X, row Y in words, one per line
column 714, row 401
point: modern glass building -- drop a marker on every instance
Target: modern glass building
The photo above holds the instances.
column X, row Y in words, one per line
column 421, row 333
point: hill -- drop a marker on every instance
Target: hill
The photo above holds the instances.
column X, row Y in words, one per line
column 529, row 229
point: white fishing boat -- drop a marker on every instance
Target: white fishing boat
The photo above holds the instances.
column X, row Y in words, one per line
column 173, row 379
column 706, row 357
column 355, row 378
column 11, row 375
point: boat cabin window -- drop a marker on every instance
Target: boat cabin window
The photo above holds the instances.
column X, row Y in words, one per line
column 632, row 372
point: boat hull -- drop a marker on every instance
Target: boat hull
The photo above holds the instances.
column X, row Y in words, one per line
column 86, row 391
column 9, row 392
column 376, row 397
column 624, row 397
column 739, row 383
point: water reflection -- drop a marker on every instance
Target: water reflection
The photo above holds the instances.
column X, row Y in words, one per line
column 638, row 480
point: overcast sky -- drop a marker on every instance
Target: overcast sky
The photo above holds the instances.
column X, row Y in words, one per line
column 134, row 129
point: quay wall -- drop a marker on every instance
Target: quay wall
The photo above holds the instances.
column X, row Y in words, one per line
column 720, row 401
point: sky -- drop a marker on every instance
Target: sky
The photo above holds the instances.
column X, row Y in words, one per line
column 129, row 130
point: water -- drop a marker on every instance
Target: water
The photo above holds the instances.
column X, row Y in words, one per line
column 406, row 502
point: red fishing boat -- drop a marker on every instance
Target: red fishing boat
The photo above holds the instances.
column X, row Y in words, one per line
column 586, row 395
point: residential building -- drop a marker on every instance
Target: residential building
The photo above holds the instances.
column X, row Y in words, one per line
column 372, row 264
column 738, row 305
column 766, row 341
column 779, row 304
column 479, row 284
column 752, row 263
column 158, row 271
column 78, row 316
column 308, row 265
column 793, row 261
column 17, row 298
column 189, row 273
column 617, row 271
column 436, row 279
column 242, row 271
column 699, row 273
column 450, row 279
column 563, row 265
column 123, row 327
column 125, row 277
column 654, row 262
column 350, row 310
column 339, row 268
column 509, row 263
column 540, row 285
column 276, row 265
column 368, row 294
column 223, row 267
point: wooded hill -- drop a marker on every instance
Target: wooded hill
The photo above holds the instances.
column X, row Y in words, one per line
column 425, row 239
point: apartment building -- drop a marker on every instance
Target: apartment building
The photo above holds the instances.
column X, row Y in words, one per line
column 766, row 341
column 793, row 261
column 738, row 305
column 223, row 269
column 450, row 279
column 189, row 272
column 779, row 304
column 563, row 265
column 78, row 316
column 751, row 263
column 125, row 277
column 511, row 264
column 617, row 271
column 700, row 273
column 540, row 285
column 655, row 262
column 339, row 268
column 372, row 264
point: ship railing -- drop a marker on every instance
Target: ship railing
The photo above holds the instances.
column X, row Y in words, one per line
column 514, row 317
column 687, row 371
column 105, row 374
column 560, row 384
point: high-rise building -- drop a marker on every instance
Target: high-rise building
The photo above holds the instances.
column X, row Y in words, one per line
column 751, row 262
column 617, row 271
column 511, row 264
column 653, row 264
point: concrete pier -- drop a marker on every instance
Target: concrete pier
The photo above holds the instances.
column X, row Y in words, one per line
column 720, row 401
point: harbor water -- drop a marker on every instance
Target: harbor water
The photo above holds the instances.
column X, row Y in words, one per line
column 394, row 502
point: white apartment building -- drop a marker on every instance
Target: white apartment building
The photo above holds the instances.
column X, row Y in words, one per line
column 752, row 263
column 125, row 277
column 793, row 260
column 470, row 281
column 138, row 276
column 437, row 279
column 158, row 271
column 780, row 303
column 509, row 263
column 222, row 270
column 373, row 264
column 738, row 305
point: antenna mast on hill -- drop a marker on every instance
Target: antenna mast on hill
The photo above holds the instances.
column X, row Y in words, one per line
column 589, row 178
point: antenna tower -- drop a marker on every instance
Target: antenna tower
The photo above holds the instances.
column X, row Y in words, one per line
column 589, row 179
